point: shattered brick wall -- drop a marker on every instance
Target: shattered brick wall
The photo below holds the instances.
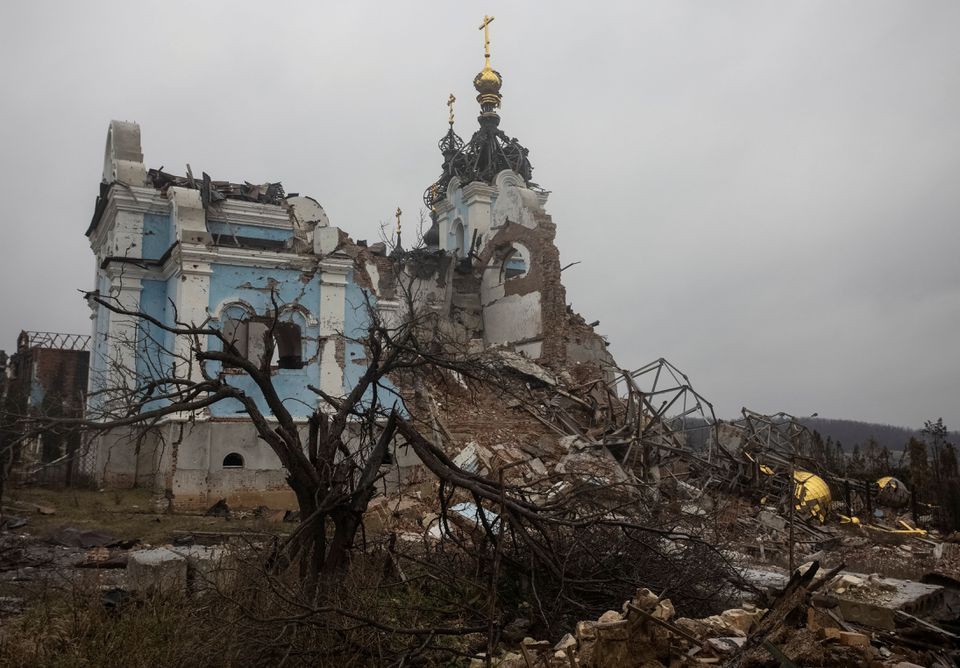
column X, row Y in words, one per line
column 50, row 382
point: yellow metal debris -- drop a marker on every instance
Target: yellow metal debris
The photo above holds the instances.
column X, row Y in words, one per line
column 812, row 495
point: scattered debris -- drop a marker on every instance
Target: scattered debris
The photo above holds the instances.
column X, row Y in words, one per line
column 11, row 522
column 72, row 537
column 219, row 509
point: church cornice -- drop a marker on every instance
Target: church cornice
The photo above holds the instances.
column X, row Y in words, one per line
column 183, row 256
column 250, row 213
column 121, row 197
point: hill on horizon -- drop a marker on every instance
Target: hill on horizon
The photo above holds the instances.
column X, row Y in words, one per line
column 854, row 432
column 847, row 432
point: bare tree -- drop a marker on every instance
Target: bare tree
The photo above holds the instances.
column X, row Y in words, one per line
column 334, row 469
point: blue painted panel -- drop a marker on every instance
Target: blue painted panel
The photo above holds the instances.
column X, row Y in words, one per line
column 355, row 322
column 251, row 287
column 157, row 235
column 152, row 359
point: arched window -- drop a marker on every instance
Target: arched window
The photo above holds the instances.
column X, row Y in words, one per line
column 515, row 263
column 247, row 335
column 458, row 236
column 234, row 460
column 288, row 345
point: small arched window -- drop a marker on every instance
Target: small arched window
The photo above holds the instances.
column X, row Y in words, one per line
column 514, row 264
column 234, row 460
column 459, row 239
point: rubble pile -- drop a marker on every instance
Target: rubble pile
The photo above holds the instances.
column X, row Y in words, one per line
column 554, row 429
column 541, row 430
column 799, row 624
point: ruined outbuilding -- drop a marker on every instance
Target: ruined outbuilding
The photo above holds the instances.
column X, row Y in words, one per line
column 45, row 378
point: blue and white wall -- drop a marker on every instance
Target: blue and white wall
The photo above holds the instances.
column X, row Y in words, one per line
column 166, row 255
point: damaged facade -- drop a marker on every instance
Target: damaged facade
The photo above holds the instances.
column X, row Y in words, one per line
column 237, row 257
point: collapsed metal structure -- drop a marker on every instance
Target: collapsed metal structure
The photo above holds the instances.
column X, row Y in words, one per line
column 660, row 429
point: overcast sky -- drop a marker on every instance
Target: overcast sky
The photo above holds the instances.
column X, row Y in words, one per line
column 765, row 193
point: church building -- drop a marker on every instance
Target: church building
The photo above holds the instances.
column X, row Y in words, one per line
column 192, row 250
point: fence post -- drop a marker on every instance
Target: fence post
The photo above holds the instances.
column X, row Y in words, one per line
column 914, row 506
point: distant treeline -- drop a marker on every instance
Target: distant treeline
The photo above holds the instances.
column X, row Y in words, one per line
column 848, row 433
column 851, row 432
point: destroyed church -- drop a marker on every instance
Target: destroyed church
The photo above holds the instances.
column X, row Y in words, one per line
column 193, row 250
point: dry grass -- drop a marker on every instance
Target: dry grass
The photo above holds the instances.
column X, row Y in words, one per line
column 124, row 513
column 257, row 620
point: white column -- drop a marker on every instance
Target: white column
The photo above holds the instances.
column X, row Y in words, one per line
column 121, row 344
column 192, row 295
column 333, row 290
column 192, row 299
column 477, row 196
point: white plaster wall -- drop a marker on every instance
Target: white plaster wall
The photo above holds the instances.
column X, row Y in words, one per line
column 333, row 288
column 428, row 293
column 512, row 318
column 533, row 350
column 514, row 202
column 122, row 330
column 478, row 198
column 126, row 237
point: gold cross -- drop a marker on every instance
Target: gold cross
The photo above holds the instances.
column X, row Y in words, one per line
column 398, row 219
column 487, row 20
column 450, row 101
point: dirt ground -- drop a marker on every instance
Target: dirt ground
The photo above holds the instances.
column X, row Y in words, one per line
column 124, row 513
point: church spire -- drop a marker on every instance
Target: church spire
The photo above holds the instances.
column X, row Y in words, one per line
column 489, row 81
column 490, row 150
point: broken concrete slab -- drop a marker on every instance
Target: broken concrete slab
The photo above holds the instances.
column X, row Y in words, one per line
column 10, row 522
column 157, row 570
column 771, row 520
column 208, row 567
column 727, row 645
column 525, row 367
column 874, row 601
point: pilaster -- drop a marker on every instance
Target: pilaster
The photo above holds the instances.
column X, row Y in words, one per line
column 332, row 309
column 192, row 299
column 120, row 350
column 188, row 215
column 477, row 197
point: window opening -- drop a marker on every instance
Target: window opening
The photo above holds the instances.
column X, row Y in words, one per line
column 249, row 339
column 458, row 238
column 234, row 460
column 514, row 265
column 288, row 349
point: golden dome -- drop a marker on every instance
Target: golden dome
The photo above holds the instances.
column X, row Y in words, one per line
column 488, row 81
column 488, row 84
column 811, row 494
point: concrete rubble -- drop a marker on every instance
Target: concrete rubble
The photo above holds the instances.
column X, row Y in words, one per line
column 646, row 632
column 554, row 428
column 157, row 570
